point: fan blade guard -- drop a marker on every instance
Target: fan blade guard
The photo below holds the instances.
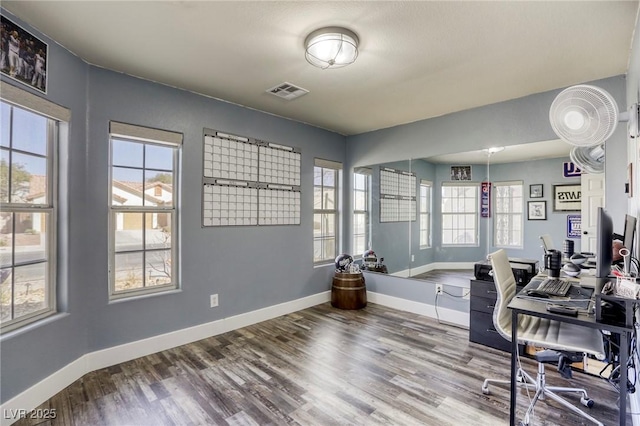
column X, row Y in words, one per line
column 584, row 115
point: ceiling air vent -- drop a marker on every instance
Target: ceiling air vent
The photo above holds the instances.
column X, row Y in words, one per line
column 287, row 91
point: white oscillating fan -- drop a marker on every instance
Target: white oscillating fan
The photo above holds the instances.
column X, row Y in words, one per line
column 590, row 159
column 586, row 116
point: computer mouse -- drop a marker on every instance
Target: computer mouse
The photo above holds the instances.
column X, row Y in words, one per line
column 537, row 293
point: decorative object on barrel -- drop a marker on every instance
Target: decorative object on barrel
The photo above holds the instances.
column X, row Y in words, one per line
column 348, row 290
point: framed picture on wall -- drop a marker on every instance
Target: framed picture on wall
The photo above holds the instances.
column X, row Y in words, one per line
column 460, row 172
column 537, row 210
column 24, row 56
column 567, row 197
column 535, row 191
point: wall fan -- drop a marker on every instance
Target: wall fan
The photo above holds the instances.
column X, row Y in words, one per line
column 586, row 116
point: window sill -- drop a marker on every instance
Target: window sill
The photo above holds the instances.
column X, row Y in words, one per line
column 27, row 328
column 125, row 298
column 322, row 265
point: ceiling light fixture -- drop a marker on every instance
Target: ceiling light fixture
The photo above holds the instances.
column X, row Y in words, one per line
column 493, row 149
column 331, row 47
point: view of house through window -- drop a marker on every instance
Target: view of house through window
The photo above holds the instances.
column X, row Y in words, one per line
column 425, row 213
column 143, row 218
column 361, row 196
column 27, row 208
column 459, row 214
column 325, row 210
column 509, row 206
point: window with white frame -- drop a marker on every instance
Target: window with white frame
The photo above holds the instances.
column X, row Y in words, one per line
column 361, row 197
column 425, row 213
column 460, row 214
column 326, row 176
column 143, row 222
column 508, row 216
column 29, row 132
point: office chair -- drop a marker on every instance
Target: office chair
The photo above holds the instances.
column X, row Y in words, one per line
column 555, row 335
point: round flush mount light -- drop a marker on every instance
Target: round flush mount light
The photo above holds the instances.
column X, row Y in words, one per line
column 331, row 47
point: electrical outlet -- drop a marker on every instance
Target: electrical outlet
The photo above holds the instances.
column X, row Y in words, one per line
column 214, row 300
column 413, row 258
column 439, row 288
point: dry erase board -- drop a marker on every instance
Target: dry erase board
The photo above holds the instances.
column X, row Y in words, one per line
column 397, row 195
column 249, row 182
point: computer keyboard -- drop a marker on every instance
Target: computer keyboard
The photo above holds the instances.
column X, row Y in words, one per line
column 555, row 287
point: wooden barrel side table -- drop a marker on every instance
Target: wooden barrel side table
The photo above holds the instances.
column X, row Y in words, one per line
column 348, row 291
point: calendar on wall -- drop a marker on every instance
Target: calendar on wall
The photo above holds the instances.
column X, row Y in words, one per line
column 397, row 195
column 249, row 182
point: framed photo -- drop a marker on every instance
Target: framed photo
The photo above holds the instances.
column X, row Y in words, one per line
column 24, row 56
column 535, row 191
column 567, row 197
column 537, row 210
column 460, row 172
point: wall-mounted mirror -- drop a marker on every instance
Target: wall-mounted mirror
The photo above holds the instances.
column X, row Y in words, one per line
column 442, row 220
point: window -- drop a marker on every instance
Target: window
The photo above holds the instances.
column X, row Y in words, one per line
column 460, row 214
column 28, row 150
column 143, row 225
column 361, row 195
column 509, row 206
column 325, row 210
column 425, row 214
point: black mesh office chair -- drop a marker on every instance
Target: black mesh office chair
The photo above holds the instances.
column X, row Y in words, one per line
column 559, row 336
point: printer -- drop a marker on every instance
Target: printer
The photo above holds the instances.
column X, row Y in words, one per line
column 523, row 270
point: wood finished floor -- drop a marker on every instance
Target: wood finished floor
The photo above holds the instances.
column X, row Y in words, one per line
column 319, row 366
column 456, row 277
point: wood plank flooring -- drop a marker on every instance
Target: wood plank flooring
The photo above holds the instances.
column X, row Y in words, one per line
column 319, row 366
column 456, row 277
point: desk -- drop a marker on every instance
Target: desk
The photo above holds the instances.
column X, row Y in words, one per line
column 538, row 308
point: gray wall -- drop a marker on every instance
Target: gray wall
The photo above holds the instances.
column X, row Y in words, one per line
column 250, row 268
column 424, row 256
column 389, row 240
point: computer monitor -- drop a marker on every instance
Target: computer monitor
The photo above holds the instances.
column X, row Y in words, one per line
column 629, row 232
column 604, row 244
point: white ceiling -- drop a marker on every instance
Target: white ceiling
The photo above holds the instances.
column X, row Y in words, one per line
column 417, row 59
column 511, row 154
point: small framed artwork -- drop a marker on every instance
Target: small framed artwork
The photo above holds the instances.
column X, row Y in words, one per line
column 535, row 191
column 567, row 198
column 460, row 172
column 24, row 56
column 537, row 210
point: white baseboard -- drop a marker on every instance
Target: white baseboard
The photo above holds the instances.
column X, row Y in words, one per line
column 446, row 315
column 407, row 273
column 48, row 387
